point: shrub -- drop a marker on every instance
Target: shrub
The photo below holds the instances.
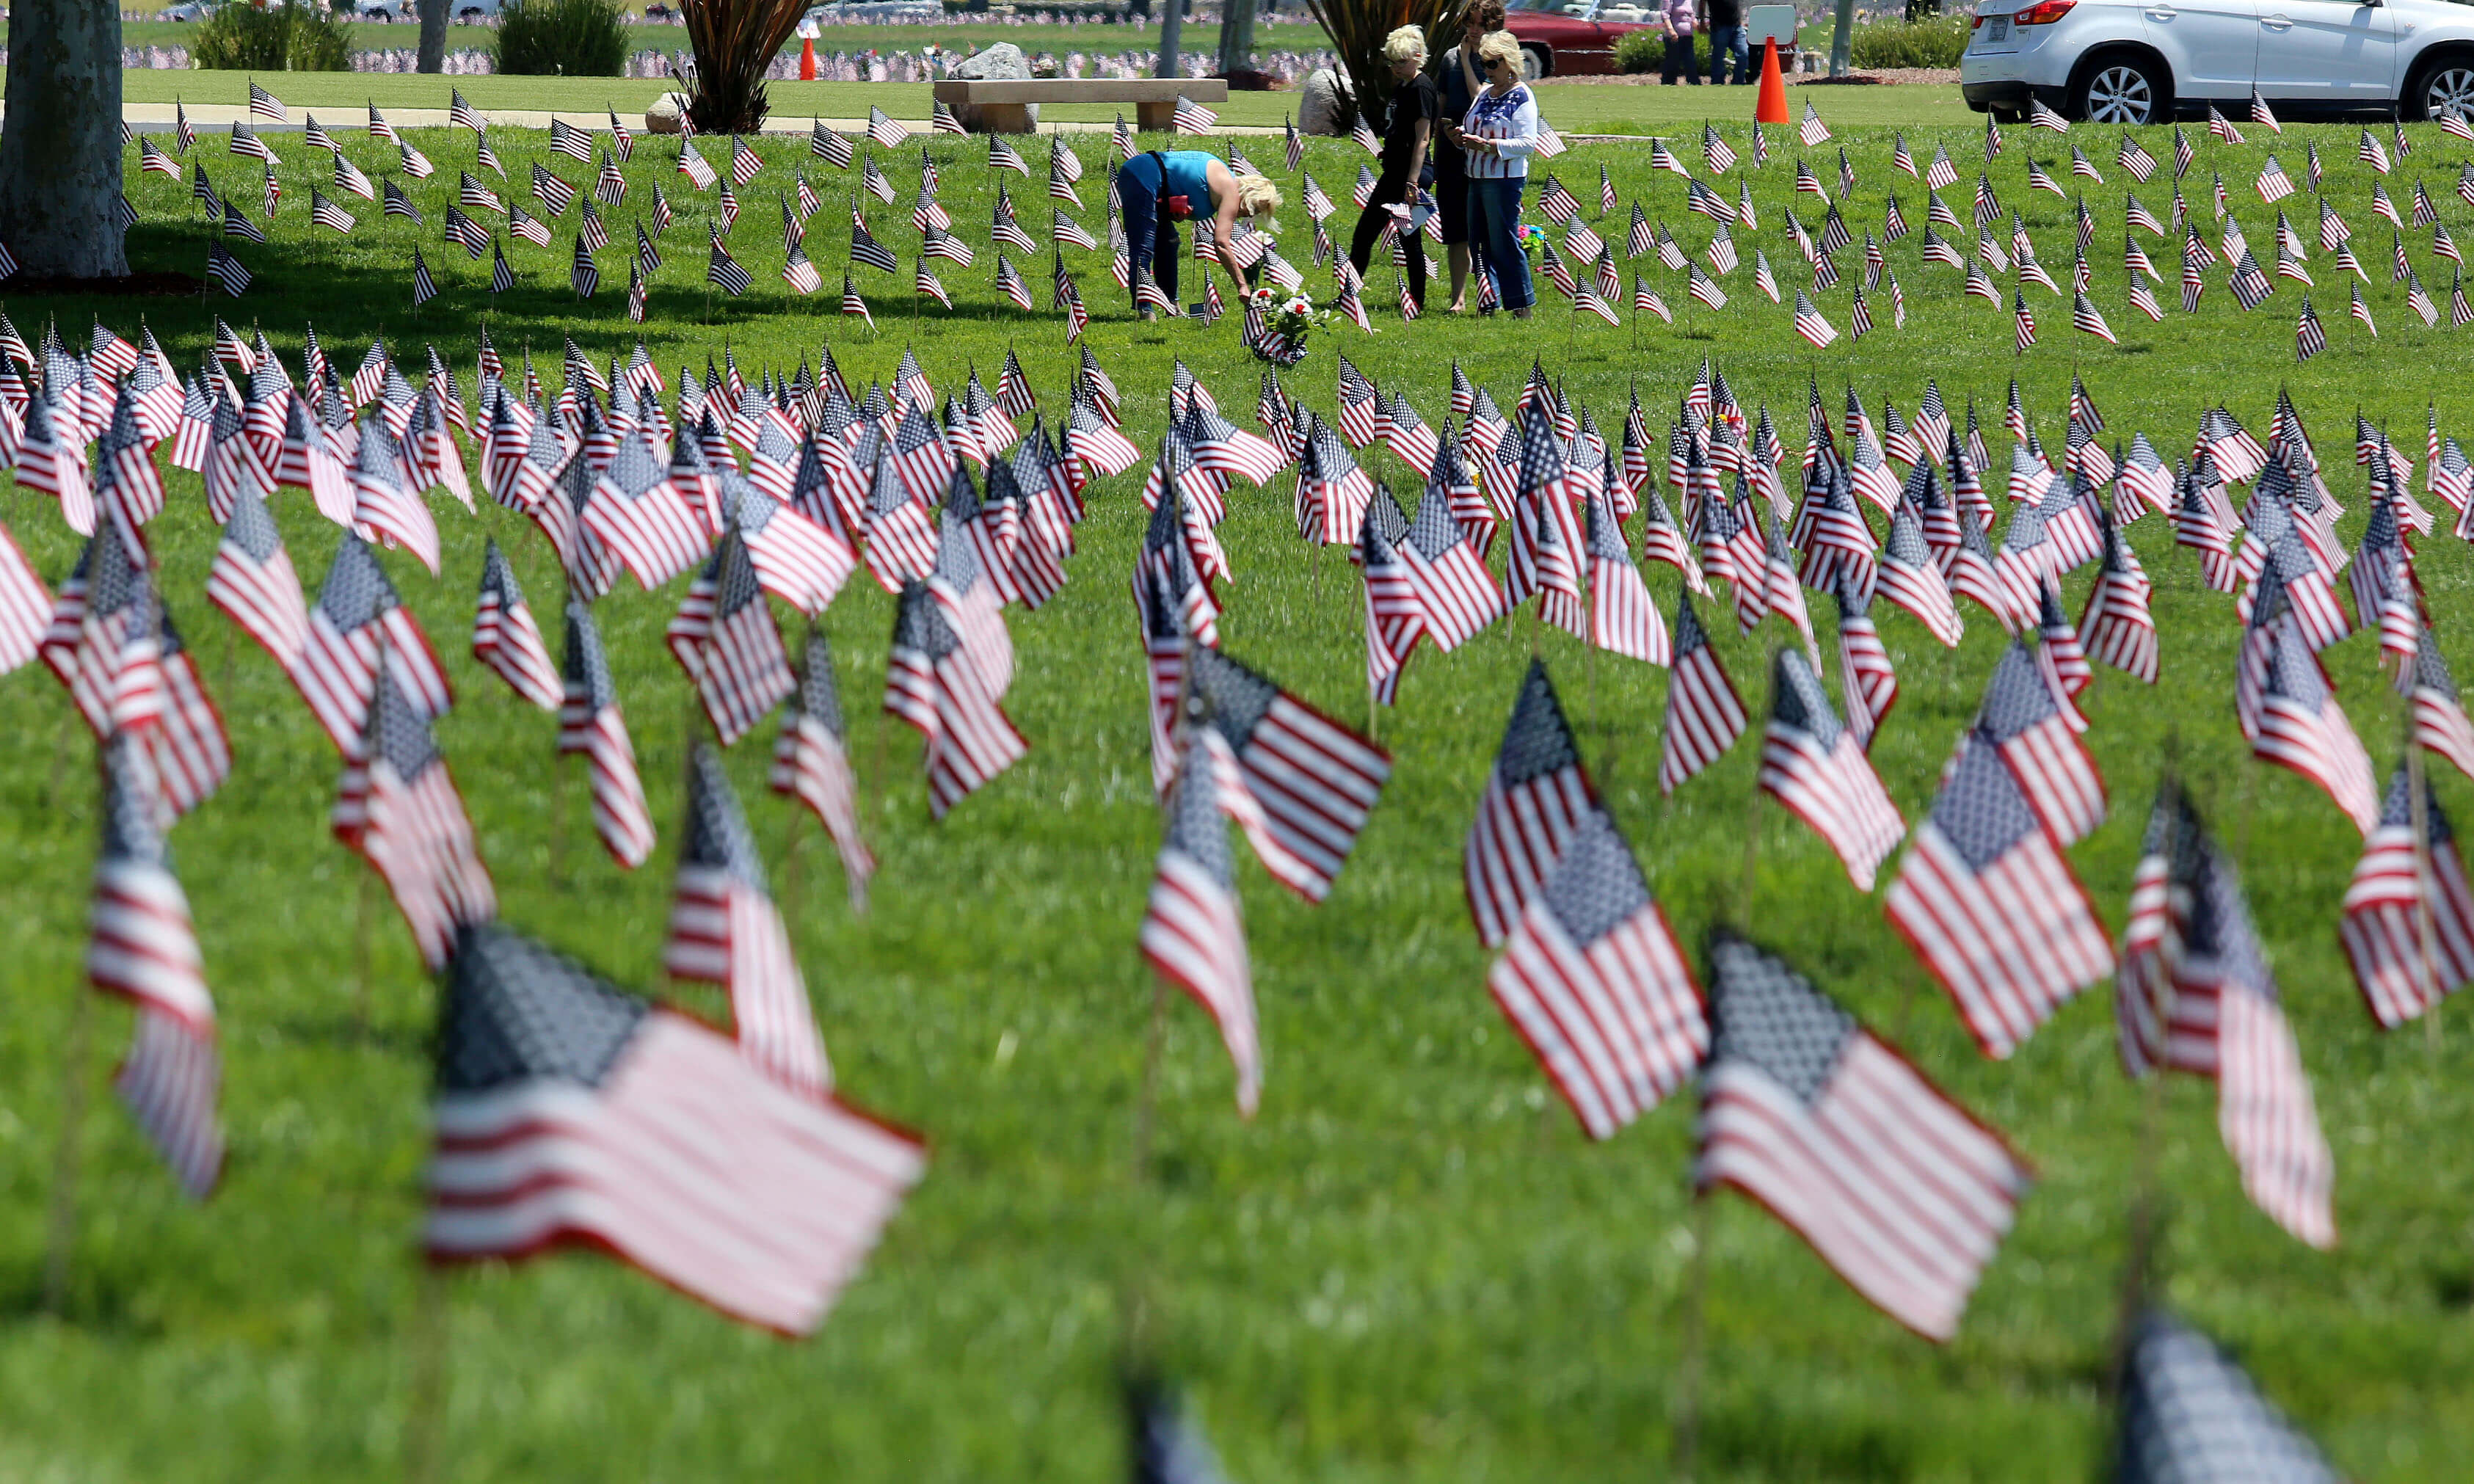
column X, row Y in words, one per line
column 1923, row 43
column 576, row 38
column 287, row 38
column 1645, row 51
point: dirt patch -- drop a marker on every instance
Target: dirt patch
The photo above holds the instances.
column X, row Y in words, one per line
column 136, row 285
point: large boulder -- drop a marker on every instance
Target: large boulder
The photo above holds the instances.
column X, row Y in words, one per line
column 1323, row 108
column 664, row 114
column 1002, row 62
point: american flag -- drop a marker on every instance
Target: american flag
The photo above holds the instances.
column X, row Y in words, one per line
column 1593, row 980
column 26, row 607
column 1988, row 902
column 1458, row 596
column 1537, row 795
column 2189, row 1412
column 1623, row 617
column 725, row 272
column 2116, row 627
column 505, row 639
column 571, row 1113
column 811, row 763
column 1815, row 767
column 884, row 132
column 1192, row 118
column 1718, row 157
column 552, row 191
column 590, row 722
column 865, row 249
column 1816, row 331
column 1313, row 781
column 1192, row 935
column 1813, row 130
column 415, row 163
column 384, row 503
column 725, row 931
column 397, row 808
column 2409, row 921
column 1704, row 715
column 829, row 146
column 635, row 512
column 2193, row 993
column 2040, row 116
column 462, row 116
column 2029, row 721
column 358, row 616
column 935, row 684
column 724, row 637
column 693, row 165
column 141, row 945
column 2439, row 720
column 2301, row 727
column 1840, row 1136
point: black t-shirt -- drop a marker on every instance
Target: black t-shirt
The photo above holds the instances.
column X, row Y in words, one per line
column 1411, row 102
column 1726, row 12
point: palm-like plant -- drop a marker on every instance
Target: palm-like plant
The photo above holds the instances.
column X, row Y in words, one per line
column 733, row 40
column 1357, row 28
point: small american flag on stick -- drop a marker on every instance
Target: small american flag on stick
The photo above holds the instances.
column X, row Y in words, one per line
column 1847, row 1143
column 545, row 1066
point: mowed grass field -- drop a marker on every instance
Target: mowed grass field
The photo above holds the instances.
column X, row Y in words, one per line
column 1409, row 1266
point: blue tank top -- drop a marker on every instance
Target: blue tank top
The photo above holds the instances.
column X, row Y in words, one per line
column 1188, row 188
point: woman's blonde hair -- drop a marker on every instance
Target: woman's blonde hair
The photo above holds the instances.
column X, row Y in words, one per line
column 1256, row 196
column 1404, row 43
column 1499, row 46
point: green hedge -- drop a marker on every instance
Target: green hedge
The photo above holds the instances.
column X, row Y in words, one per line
column 280, row 38
column 562, row 37
column 1921, row 43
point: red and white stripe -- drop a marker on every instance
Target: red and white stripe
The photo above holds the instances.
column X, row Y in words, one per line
column 1895, row 1187
column 755, row 1199
column 726, row 931
column 1192, row 936
column 1619, row 1024
column 811, row 764
column 619, row 815
column 2385, row 924
column 1836, row 793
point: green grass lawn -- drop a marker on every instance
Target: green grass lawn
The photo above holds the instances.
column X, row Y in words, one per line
column 1409, row 1266
column 1572, row 106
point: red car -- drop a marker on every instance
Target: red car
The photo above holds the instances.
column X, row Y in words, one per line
column 1561, row 38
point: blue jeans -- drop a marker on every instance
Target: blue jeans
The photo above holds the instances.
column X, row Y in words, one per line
column 1726, row 44
column 1493, row 213
column 1682, row 59
column 1151, row 243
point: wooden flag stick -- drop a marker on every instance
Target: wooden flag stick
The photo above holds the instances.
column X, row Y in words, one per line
column 2418, row 796
column 558, row 821
column 69, row 1155
column 1688, row 1367
column 425, row 1420
column 362, row 915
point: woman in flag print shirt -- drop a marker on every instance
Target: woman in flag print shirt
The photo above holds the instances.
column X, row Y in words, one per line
column 1497, row 136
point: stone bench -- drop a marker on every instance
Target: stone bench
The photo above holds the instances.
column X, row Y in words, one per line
column 1004, row 105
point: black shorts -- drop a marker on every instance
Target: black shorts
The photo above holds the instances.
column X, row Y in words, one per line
column 1451, row 201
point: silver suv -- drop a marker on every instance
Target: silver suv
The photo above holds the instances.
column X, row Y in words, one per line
column 2117, row 61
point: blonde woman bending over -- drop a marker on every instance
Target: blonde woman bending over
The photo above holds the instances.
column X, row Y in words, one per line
column 1163, row 187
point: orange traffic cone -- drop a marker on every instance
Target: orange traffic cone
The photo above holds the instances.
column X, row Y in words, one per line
column 807, row 67
column 1770, row 107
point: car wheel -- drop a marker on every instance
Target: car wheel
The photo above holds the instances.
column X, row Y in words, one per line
column 1534, row 63
column 2121, row 90
column 2446, row 88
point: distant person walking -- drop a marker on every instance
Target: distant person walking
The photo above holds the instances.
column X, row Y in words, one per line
column 1405, row 131
column 1724, row 21
column 1496, row 138
column 1455, row 82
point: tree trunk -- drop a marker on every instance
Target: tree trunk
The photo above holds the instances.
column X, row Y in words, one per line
column 60, row 156
column 432, row 55
column 1236, row 35
column 1842, row 39
column 1172, row 31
